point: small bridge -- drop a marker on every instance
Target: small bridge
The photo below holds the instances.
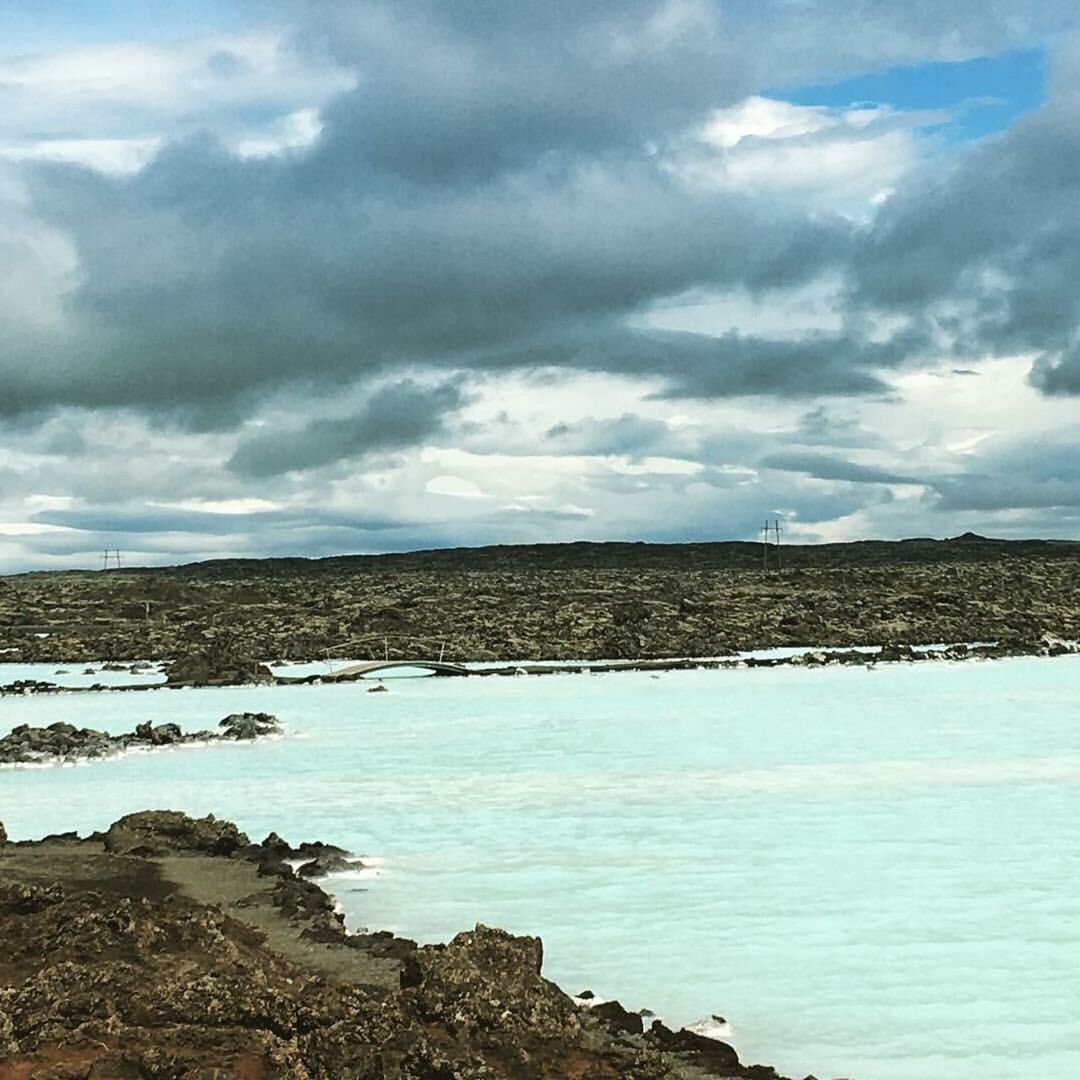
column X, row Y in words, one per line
column 371, row 667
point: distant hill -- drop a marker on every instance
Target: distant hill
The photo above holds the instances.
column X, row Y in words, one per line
column 553, row 601
column 620, row 555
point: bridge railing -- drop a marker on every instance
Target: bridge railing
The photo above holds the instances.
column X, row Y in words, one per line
column 416, row 641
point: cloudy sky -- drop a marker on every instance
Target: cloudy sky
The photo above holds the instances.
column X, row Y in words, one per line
column 321, row 276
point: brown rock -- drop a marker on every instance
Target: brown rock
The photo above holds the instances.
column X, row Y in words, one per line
column 161, row 832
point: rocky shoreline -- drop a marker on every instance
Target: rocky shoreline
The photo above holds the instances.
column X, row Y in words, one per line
column 61, row 742
column 169, row 947
column 209, row 668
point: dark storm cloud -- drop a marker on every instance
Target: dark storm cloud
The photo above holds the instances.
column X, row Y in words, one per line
column 466, row 91
column 399, row 414
column 646, row 58
column 988, row 257
column 821, row 427
column 494, row 194
column 1004, row 492
column 704, row 367
column 828, row 467
column 205, row 278
column 626, row 434
column 1059, row 372
column 1040, row 472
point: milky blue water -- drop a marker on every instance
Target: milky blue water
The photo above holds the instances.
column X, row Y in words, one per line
column 871, row 873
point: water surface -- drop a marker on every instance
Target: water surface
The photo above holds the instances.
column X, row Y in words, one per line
column 872, row 873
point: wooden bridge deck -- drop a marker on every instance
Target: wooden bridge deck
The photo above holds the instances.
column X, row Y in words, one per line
column 371, row 667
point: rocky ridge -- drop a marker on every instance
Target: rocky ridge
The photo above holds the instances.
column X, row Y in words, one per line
column 548, row 602
column 169, row 947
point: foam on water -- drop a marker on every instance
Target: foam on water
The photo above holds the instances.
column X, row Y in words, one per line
column 872, row 874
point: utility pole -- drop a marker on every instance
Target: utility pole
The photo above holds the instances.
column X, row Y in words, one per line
column 775, row 529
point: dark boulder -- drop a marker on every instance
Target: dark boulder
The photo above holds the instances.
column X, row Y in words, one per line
column 314, row 848
column 709, row 1054
column 303, row 901
column 158, row 735
column 896, row 652
column 615, row 1017
column 249, row 725
column 322, row 865
column 165, row 734
column 274, row 845
column 217, row 667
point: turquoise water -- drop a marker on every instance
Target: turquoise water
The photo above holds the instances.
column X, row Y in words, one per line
column 871, row 873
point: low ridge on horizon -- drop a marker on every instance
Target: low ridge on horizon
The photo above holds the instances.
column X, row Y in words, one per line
column 555, row 554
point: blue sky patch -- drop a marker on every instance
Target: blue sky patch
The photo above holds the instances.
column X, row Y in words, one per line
column 45, row 25
column 985, row 94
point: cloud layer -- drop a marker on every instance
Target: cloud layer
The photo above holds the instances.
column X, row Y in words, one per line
column 385, row 233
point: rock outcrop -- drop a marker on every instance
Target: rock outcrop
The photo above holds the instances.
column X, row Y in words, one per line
column 164, row 832
column 174, row 948
column 65, row 742
column 216, row 667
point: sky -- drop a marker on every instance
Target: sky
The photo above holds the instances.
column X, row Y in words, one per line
column 307, row 278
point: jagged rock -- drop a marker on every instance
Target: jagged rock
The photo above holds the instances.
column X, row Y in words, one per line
column 161, row 832
column 3, row 833
column 322, row 865
column 60, row 741
column 249, row 725
column 489, row 980
column 273, row 845
column 217, row 667
column 700, row 1049
column 300, row 899
column 382, row 943
column 617, row 1018
column 20, row 899
column 28, row 686
column 314, row 848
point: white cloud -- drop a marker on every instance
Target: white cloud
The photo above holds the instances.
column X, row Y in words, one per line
column 455, row 486
column 243, row 505
column 837, row 159
column 111, row 106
